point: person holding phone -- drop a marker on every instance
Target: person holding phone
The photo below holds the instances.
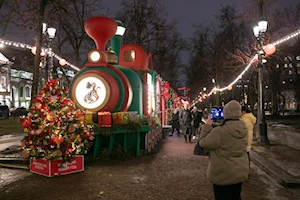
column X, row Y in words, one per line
column 228, row 161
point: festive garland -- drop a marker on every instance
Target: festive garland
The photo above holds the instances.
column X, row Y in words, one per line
column 131, row 126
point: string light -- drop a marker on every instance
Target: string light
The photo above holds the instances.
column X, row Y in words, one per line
column 204, row 96
column 26, row 46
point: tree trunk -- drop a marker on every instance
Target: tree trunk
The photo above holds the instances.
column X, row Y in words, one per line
column 37, row 58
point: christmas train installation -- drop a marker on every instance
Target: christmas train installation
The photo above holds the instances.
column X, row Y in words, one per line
column 112, row 83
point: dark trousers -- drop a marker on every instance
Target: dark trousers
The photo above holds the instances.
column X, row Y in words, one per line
column 228, row 192
column 187, row 132
column 195, row 131
column 173, row 129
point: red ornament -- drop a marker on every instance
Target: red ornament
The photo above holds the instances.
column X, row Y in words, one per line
column 166, row 95
column 69, row 150
column 57, row 140
column 26, row 123
column 57, row 92
column 66, row 102
column 167, row 86
column 38, row 99
column 22, row 119
column 270, row 49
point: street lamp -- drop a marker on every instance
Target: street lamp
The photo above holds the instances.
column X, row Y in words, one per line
column 49, row 34
column 116, row 41
column 259, row 33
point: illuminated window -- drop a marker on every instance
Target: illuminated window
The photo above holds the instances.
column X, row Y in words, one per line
column 129, row 56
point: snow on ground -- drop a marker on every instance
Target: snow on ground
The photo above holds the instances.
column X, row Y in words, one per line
column 278, row 125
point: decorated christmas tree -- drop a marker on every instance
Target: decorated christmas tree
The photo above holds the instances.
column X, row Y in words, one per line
column 56, row 129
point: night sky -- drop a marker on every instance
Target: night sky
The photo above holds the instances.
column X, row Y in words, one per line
column 193, row 11
column 187, row 12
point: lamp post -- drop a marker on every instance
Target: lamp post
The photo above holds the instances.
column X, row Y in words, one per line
column 49, row 34
column 259, row 33
column 116, row 41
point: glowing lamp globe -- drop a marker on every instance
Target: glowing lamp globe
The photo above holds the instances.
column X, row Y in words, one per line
column 43, row 53
column 270, row 49
column 229, row 88
column 62, row 62
column 33, row 50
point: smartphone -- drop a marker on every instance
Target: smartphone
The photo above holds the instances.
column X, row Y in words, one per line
column 216, row 113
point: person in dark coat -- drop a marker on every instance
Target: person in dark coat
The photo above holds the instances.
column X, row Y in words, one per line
column 197, row 117
column 186, row 119
column 175, row 122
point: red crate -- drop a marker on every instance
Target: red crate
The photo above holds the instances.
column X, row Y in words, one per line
column 56, row 167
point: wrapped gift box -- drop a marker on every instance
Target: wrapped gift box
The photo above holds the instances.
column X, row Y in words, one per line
column 133, row 116
column 116, row 118
column 56, row 167
column 104, row 119
column 121, row 117
column 89, row 118
column 124, row 117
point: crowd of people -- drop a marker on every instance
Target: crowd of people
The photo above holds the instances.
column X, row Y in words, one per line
column 228, row 143
column 188, row 121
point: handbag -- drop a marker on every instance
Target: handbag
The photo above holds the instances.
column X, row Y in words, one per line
column 198, row 150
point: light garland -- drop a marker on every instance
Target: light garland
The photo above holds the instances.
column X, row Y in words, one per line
column 26, row 46
column 204, row 96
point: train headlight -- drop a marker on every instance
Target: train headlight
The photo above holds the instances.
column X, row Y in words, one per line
column 95, row 56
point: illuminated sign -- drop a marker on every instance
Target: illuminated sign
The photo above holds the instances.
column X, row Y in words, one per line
column 151, row 96
column 91, row 92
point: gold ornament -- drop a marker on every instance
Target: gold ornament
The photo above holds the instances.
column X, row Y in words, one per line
column 49, row 117
column 38, row 105
column 25, row 153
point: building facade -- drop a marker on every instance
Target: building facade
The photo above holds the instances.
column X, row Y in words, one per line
column 16, row 77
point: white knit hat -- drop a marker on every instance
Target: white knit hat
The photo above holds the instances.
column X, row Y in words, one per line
column 232, row 110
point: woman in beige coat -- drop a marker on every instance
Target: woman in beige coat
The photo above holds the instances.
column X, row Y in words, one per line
column 227, row 144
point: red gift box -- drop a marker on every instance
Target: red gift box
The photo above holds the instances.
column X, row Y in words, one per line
column 104, row 119
column 56, row 167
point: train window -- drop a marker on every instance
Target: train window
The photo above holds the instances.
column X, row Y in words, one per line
column 129, row 56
